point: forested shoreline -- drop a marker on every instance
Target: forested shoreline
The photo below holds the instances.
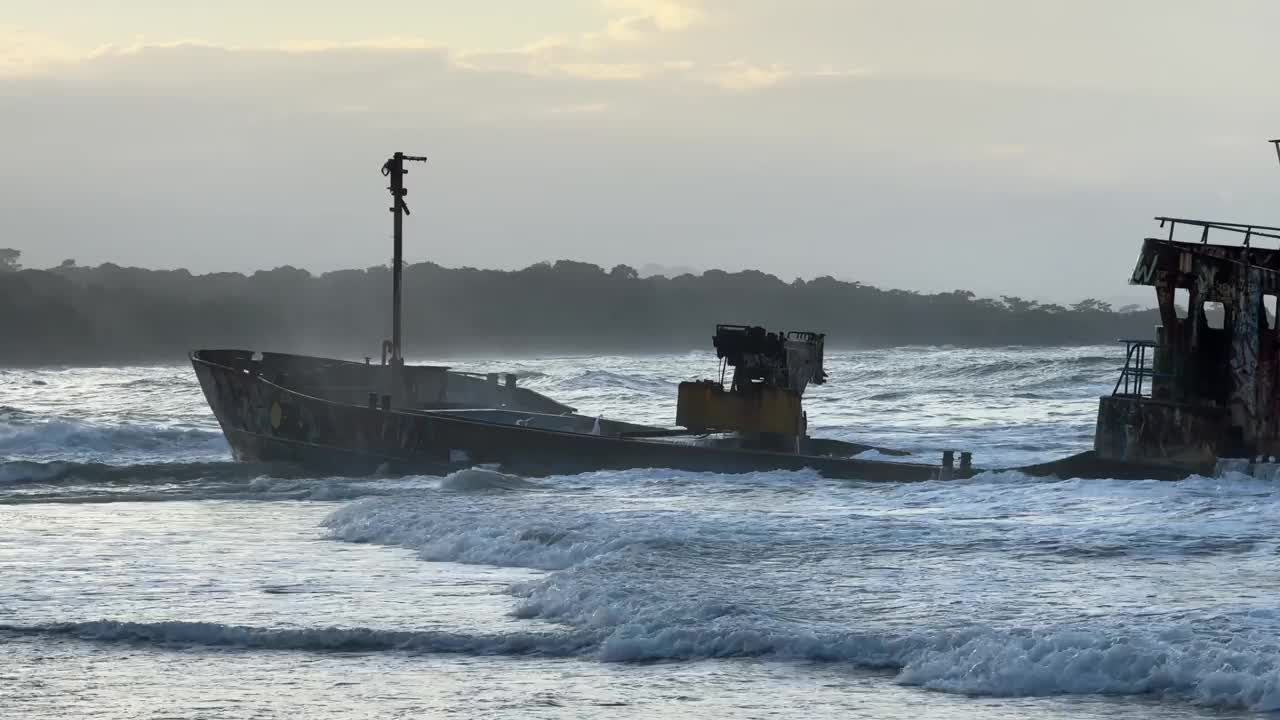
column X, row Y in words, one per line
column 110, row 314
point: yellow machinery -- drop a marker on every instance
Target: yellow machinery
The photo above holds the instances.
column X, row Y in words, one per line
column 770, row 374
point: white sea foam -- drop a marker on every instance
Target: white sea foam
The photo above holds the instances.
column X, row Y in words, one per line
column 1238, row 672
column 997, row 585
column 480, row 479
column 320, row 489
column 461, row 534
column 978, row 661
column 652, row 587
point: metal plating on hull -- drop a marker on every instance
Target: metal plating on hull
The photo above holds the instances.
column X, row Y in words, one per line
column 268, row 422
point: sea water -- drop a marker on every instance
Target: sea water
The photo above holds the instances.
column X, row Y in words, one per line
column 145, row 575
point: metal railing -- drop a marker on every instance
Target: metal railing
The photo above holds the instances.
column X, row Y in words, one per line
column 1136, row 372
column 1249, row 231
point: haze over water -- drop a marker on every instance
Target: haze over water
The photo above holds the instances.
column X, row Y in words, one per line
column 147, row 576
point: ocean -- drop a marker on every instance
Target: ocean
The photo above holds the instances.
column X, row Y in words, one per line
column 145, row 575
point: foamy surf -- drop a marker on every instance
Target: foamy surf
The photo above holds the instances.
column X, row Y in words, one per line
column 1001, row 586
column 480, row 479
column 662, row 584
column 977, row 661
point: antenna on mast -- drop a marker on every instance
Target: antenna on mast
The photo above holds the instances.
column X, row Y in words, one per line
column 394, row 170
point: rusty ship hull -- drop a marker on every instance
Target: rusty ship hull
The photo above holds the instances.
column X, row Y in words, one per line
column 267, row 419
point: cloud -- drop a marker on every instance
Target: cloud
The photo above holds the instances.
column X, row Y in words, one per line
column 391, row 42
column 742, row 75
column 637, row 43
column 591, row 108
column 628, row 48
column 24, row 51
column 658, row 15
column 112, row 50
column 610, row 71
column 617, row 161
column 673, row 136
column 632, row 29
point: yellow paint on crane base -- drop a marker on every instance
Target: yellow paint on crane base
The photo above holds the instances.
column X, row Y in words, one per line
column 708, row 406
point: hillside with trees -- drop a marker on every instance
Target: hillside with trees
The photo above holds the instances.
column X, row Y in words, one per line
column 108, row 314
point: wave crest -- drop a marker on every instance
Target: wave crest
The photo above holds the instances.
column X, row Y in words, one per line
column 482, row 479
column 976, row 661
column 27, row 434
column 331, row 639
column 18, row 472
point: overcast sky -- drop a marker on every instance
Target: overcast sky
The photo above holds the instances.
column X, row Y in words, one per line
column 1004, row 146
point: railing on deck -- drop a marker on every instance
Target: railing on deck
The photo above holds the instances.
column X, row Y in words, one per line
column 1249, row 231
column 1136, row 373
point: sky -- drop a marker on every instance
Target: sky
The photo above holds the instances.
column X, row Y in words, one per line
column 1002, row 146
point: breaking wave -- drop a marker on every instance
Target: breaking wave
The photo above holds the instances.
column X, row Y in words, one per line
column 1240, row 672
column 604, row 380
column 647, row 585
column 482, row 479
column 1062, row 367
column 27, row 482
column 32, row 435
column 462, row 535
column 664, row 566
column 19, row 472
column 333, row 639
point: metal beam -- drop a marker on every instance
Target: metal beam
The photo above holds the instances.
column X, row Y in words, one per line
column 394, row 170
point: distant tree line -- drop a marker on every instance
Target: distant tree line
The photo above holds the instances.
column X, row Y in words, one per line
column 73, row 315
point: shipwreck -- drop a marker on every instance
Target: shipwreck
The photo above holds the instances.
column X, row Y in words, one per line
column 1201, row 392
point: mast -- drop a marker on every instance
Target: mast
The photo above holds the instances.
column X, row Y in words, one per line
column 394, row 170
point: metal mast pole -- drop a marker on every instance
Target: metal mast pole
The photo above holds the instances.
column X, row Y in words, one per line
column 395, row 172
